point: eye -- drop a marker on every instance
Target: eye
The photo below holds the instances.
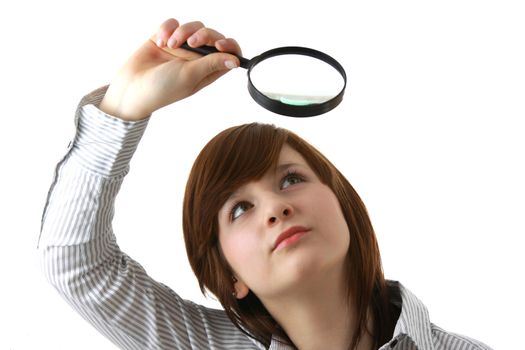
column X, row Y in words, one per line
column 292, row 178
column 238, row 209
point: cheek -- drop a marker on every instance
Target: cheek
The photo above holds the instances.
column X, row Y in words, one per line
column 331, row 213
column 241, row 251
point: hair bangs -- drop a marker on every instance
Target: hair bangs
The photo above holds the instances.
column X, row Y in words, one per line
column 238, row 156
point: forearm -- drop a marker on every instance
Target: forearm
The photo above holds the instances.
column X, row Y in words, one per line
column 79, row 207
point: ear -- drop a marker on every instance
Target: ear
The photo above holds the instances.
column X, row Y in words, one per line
column 241, row 289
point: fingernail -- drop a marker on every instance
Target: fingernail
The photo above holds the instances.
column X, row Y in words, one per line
column 230, row 64
column 160, row 42
column 191, row 40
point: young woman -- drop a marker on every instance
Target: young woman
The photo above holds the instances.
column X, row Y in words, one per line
column 272, row 229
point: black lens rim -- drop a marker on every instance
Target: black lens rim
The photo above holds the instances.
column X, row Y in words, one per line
column 291, row 110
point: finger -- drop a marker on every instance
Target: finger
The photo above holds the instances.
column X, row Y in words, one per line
column 204, row 36
column 229, row 45
column 165, row 31
column 211, row 64
column 183, row 32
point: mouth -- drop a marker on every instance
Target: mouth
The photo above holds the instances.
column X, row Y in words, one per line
column 289, row 237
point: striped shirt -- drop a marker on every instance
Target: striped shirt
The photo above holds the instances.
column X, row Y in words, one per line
column 81, row 259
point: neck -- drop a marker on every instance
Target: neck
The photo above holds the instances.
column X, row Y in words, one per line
column 317, row 317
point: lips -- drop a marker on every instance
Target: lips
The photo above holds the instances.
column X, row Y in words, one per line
column 289, row 236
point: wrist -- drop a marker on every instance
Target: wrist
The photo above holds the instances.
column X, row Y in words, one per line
column 114, row 103
column 118, row 138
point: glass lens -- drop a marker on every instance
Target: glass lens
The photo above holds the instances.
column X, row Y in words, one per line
column 297, row 80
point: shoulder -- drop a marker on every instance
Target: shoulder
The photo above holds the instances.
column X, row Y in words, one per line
column 414, row 322
column 447, row 340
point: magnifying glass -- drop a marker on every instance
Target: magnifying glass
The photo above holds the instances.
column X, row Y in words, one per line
column 293, row 81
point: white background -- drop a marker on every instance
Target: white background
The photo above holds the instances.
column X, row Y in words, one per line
column 430, row 133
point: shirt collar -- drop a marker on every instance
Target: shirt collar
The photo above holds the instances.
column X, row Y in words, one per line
column 277, row 345
column 413, row 321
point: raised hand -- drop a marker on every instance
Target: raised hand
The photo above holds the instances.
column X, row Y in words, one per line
column 160, row 73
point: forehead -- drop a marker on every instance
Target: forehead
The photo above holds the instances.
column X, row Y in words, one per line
column 289, row 154
column 288, row 157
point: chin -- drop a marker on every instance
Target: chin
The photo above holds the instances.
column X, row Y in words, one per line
column 304, row 265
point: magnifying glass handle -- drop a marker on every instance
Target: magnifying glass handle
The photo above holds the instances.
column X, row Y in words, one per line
column 206, row 50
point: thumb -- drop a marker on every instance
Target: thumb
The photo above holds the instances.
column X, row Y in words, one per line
column 213, row 63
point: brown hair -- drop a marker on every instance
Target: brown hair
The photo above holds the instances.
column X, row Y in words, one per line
column 242, row 154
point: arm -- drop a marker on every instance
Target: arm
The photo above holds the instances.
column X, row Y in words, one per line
column 78, row 249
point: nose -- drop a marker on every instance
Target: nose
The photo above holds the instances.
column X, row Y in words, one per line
column 278, row 211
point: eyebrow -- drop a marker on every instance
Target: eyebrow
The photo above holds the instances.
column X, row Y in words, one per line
column 279, row 168
column 283, row 166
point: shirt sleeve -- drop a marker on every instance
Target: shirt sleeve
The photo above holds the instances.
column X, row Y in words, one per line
column 81, row 259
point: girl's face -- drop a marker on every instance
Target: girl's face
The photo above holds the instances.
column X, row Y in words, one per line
column 259, row 213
